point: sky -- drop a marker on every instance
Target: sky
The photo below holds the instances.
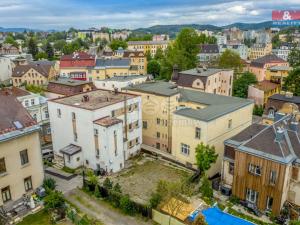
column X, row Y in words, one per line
column 63, row 14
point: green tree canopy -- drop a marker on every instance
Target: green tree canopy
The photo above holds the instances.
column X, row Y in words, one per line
column 140, row 37
column 55, row 200
column 230, row 60
column 240, row 85
column 205, row 156
column 292, row 82
column 32, row 47
column 115, row 44
column 294, row 58
column 159, row 55
column 148, row 55
column 10, row 40
column 49, row 51
column 153, row 68
column 206, row 188
column 41, row 55
column 59, row 45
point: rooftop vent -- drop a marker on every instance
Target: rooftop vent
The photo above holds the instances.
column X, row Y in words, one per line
column 279, row 134
column 289, row 95
column 294, row 126
column 85, row 98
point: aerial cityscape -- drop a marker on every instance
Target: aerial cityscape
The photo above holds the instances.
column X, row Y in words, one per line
column 150, row 112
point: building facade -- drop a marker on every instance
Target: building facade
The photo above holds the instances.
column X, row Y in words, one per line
column 209, row 80
column 261, row 165
column 208, row 53
column 6, row 67
column 147, row 46
column 259, row 50
column 170, row 111
column 21, row 165
column 33, row 74
column 98, row 129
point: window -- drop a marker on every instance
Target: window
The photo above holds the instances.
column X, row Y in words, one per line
column 137, row 141
column 32, row 102
column 46, row 114
column 157, row 134
column 6, row 196
column 130, row 126
column 158, row 145
column 185, row 149
column 34, row 117
column 229, row 123
column 145, row 125
column 28, row 184
column 157, row 121
column 273, row 177
column 113, row 113
column 254, row 169
column 198, row 133
column 24, row 157
column 96, row 132
column 75, row 136
column 269, row 204
column 115, row 143
column 26, row 103
column 2, row 166
column 231, row 168
column 73, row 116
column 251, row 196
column 58, row 113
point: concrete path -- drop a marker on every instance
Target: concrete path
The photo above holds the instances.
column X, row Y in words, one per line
column 101, row 210
column 66, row 185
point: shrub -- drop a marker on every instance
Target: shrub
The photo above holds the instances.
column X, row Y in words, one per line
column 294, row 222
column 127, row 206
column 97, row 192
column 49, row 184
column 55, row 200
column 114, row 198
column 234, row 200
column 200, row 220
column 155, row 200
column 108, row 184
column 117, row 188
column 206, row 188
column 68, row 170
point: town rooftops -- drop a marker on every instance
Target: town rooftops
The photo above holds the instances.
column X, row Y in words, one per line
column 15, row 120
column 280, row 68
column 285, row 98
column 125, row 78
column 201, row 72
column 94, row 99
column 43, row 69
column 278, row 142
column 14, row 91
column 107, row 121
column 147, row 42
column 71, row 150
column 77, row 59
column 266, row 85
column 128, row 54
column 78, row 56
column 209, row 48
column 121, row 62
column 70, row 82
column 216, row 105
column 260, row 62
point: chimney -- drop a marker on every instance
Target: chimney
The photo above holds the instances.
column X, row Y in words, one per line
column 279, row 134
column 85, row 98
column 278, row 116
column 175, row 73
column 294, row 126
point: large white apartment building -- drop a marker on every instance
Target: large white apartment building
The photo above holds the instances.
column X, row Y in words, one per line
column 97, row 129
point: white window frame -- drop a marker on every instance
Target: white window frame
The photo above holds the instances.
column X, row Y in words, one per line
column 251, row 196
column 185, row 149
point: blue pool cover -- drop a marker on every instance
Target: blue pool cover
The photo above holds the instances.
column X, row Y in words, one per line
column 214, row 216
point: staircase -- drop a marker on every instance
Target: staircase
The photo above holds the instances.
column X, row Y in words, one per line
column 58, row 162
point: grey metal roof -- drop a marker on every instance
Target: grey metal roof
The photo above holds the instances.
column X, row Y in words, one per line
column 113, row 62
column 280, row 97
column 280, row 68
column 201, row 72
column 216, row 105
column 69, row 82
column 71, row 149
column 125, row 78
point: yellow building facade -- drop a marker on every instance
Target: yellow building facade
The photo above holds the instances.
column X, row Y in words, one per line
column 147, row 46
column 259, row 50
column 176, row 120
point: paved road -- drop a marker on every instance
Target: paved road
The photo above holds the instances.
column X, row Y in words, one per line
column 102, row 212
column 66, row 185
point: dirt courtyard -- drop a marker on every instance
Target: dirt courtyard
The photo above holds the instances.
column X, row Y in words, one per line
column 140, row 180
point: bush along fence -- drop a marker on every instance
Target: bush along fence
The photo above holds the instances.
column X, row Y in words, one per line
column 113, row 194
column 77, row 219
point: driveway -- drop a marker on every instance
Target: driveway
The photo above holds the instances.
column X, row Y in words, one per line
column 66, row 186
column 102, row 211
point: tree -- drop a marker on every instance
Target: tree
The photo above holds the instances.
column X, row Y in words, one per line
column 200, row 220
column 32, row 47
column 117, row 188
column 159, row 55
column 230, row 60
column 153, row 68
column 55, row 200
column 108, row 184
column 240, row 85
column 59, row 45
column 294, row 58
column 115, row 44
column 41, row 55
column 206, row 188
column 49, row 51
column 49, row 184
column 292, row 82
column 10, row 40
column 127, row 205
column 148, row 55
column 205, row 156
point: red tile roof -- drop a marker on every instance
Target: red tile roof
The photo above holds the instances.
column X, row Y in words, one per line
column 260, row 62
column 11, row 110
column 77, row 59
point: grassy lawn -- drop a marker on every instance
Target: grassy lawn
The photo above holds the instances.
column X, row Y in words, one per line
column 140, row 180
column 40, row 218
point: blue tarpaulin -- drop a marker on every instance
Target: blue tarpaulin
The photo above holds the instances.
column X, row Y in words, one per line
column 214, row 216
